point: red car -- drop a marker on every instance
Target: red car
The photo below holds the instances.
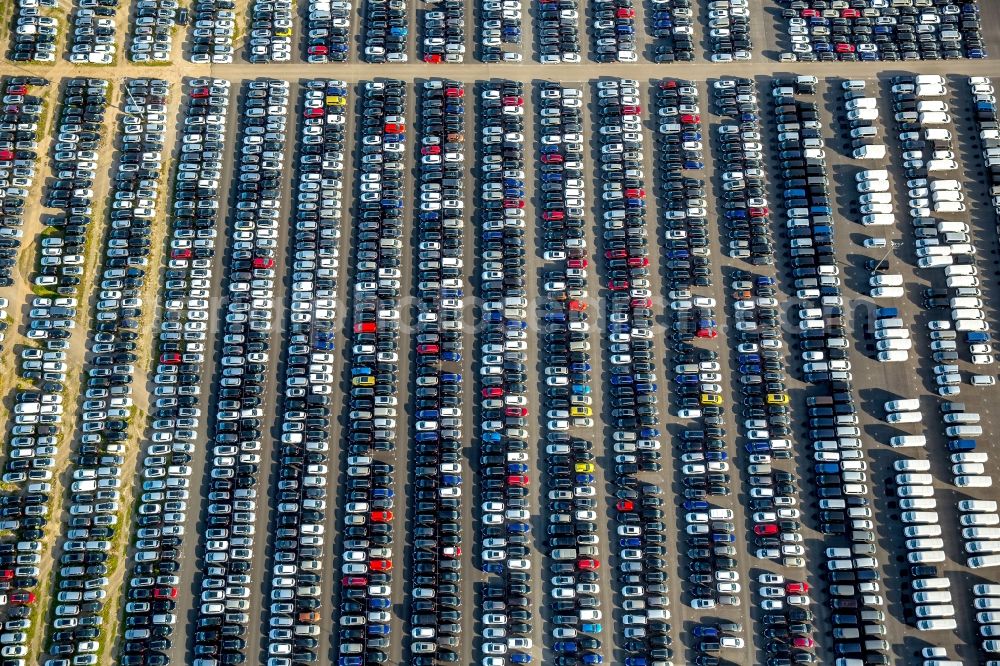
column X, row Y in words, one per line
column 430, row 150
column 803, row 642
column 632, row 108
column 181, row 253
column 641, row 303
column 427, row 349
column 454, row 92
column 17, row 89
column 625, row 505
column 319, row 49
column 380, row 565
column 513, row 101
column 625, row 12
column 433, row 58
column 365, row 327
column 165, row 593
column 588, row 565
column 637, row 262
column 381, row 516
column 6, row 574
column 810, row 13
column 797, row 588
column 615, row 254
column 200, row 93
column 577, row 306
column 492, row 392
column 516, row 411
column 765, row 530
column 263, row 262
column 553, row 215
column 518, row 480
column 173, row 358
column 6, row 154
column 844, row 48
column 690, row 118
column 552, row 158
column 635, row 193
column 850, row 13
column 706, row 333
column 618, row 285
column 395, row 128
column 451, row 552
column 576, row 263
column 668, row 84
column 513, row 203
column 22, row 598
column 354, row 581
column 313, row 113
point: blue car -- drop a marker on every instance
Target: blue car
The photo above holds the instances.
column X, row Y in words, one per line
column 518, row 528
column 427, row 436
column 427, row 414
column 593, row 658
column 584, row 478
column 630, row 542
column 580, row 389
column 379, row 603
column 451, row 480
column 493, row 567
column 520, row 658
column 517, row 468
column 566, row 646
column 378, row 630
column 649, row 433
column 695, row 505
column 636, row 661
column 645, row 388
column 491, row 437
column 591, row 628
column 701, row 631
column 621, row 380
column 552, row 177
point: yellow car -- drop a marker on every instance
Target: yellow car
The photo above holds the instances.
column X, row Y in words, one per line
column 283, row 32
column 364, row 380
column 777, row 398
column 577, row 410
column 335, row 100
column 584, row 467
column 710, row 399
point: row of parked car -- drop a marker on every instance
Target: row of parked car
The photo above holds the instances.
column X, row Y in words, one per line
column 329, row 27
column 212, row 32
column 712, row 581
column 985, row 117
column 18, row 162
column 500, row 34
column 671, row 23
column 614, row 31
column 94, row 34
column 386, row 29
column 773, row 508
column 880, row 30
column 167, row 460
column 438, row 408
column 228, row 540
column 271, row 31
column 729, row 31
column 641, row 556
column 301, row 487
column 744, row 203
column 839, row 471
column 559, row 31
column 153, row 31
column 505, row 543
column 364, row 623
column 33, row 438
column 444, row 32
column 572, row 490
column 98, row 461
column 34, row 36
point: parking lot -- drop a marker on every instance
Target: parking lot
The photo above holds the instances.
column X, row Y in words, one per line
column 573, row 312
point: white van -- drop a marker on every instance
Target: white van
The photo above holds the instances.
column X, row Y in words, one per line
column 892, row 334
column 889, row 280
column 902, row 441
column 963, row 431
column 937, row 624
column 911, row 465
column 934, row 118
column 878, row 220
column 887, row 292
column 902, row 405
column 939, row 583
column 943, row 610
column 921, row 517
column 982, row 561
column 914, row 479
column 981, row 506
column 902, row 417
column 959, row 281
column 932, row 597
column 893, row 356
column 987, row 590
column 921, row 531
